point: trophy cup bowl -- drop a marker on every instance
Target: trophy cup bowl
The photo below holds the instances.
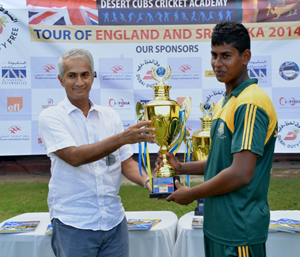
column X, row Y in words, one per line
column 168, row 119
column 201, row 138
column 201, row 144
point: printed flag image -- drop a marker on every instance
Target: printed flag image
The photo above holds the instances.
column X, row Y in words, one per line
column 62, row 12
column 271, row 11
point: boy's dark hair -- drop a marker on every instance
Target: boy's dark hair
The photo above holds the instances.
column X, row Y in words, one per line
column 231, row 32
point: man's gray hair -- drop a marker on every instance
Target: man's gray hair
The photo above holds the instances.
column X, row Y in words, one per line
column 75, row 53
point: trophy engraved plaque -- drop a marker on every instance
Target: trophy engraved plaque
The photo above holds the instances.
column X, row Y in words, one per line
column 202, row 142
column 168, row 118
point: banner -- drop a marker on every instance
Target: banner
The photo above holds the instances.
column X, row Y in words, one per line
column 127, row 38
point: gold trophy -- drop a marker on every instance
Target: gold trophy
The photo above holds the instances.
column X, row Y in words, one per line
column 168, row 118
column 202, row 142
column 201, row 138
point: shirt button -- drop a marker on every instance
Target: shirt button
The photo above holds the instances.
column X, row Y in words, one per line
column 100, row 195
column 98, row 179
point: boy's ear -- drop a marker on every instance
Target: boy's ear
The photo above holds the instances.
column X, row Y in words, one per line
column 246, row 56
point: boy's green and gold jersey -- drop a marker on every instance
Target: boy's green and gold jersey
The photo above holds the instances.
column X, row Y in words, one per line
column 246, row 120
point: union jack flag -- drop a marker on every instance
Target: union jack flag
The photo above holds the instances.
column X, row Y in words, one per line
column 62, row 12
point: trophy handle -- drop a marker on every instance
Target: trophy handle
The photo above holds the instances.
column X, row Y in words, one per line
column 187, row 104
column 182, row 134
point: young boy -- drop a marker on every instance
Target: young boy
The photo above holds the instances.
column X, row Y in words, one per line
column 237, row 171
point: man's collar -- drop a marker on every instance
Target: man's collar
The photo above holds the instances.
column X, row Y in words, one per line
column 70, row 107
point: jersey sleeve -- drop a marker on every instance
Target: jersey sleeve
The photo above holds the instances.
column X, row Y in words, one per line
column 250, row 129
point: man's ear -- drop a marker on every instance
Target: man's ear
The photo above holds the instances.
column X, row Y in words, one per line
column 60, row 80
column 246, row 56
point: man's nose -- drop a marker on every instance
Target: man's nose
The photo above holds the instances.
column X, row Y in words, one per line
column 79, row 81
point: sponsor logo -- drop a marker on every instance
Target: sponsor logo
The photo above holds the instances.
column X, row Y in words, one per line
column 49, row 67
column 289, row 70
column 289, row 134
column 143, row 75
column 118, row 74
column 257, row 73
column 291, row 101
column 185, row 68
column 8, row 28
column 259, row 67
column 13, row 73
column 185, row 72
column 14, row 133
column 117, row 68
column 209, row 74
column 14, row 104
column 214, row 96
column 49, row 103
column 148, row 75
column 14, row 129
column 50, row 72
column 40, row 141
column 121, row 103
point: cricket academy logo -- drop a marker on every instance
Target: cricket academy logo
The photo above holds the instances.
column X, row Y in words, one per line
column 144, row 76
column 289, row 70
column 8, row 29
column 289, row 134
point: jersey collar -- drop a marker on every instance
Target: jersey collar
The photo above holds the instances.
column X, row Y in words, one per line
column 239, row 89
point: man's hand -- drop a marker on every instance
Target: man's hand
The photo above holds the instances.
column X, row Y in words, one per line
column 138, row 133
column 171, row 159
column 182, row 195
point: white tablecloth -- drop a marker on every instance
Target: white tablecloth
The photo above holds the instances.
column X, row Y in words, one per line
column 189, row 242
column 283, row 244
column 158, row 241
column 28, row 244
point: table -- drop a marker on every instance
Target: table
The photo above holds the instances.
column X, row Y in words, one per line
column 281, row 244
column 33, row 244
column 189, row 242
column 158, row 241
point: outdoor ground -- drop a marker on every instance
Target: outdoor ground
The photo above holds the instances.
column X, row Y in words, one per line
column 281, row 169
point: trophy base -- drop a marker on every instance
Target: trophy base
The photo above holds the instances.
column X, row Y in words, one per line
column 164, row 186
column 199, row 208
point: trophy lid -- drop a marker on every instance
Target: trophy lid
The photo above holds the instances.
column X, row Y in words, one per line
column 161, row 74
column 207, row 108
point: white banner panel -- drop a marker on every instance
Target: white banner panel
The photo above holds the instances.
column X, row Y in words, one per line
column 128, row 38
